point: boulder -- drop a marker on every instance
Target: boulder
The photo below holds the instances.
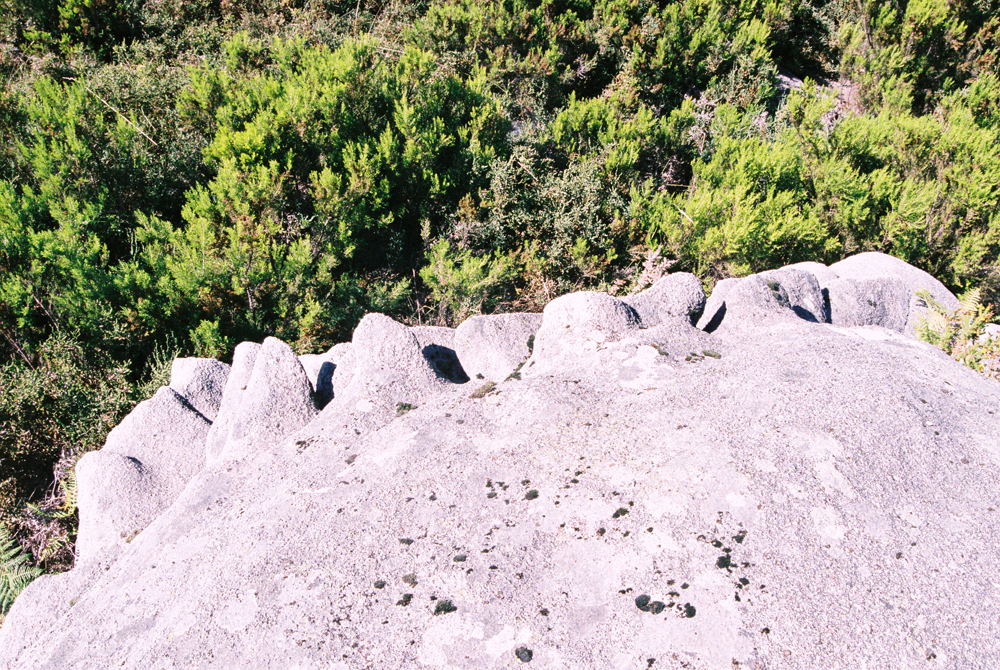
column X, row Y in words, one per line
column 232, row 397
column 319, row 369
column 201, row 381
column 822, row 272
column 578, row 324
column 277, row 401
column 142, row 468
column 715, row 306
column 386, row 367
column 809, row 496
column 675, row 296
column 883, row 301
column 783, row 293
column 874, row 265
column 805, row 297
column 437, row 344
column 493, row 346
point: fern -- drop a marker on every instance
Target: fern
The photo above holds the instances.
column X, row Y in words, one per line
column 15, row 572
column 961, row 333
column 67, row 507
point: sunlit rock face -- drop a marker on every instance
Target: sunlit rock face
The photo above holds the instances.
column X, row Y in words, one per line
column 620, row 489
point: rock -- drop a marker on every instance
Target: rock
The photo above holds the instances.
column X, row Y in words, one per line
column 232, row 397
column 142, row 468
column 438, row 347
column 387, row 367
column 319, row 369
column 43, row 603
column 822, row 273
column 805, row 297
column 494, row 346
column 201, row 381
column 277, row 401
column 873, row 265
column 677, row 295
column 869, row 302
column 786, row 292
column 728, row 510
column 715, row 307
column 578, row 324
column 344, row 372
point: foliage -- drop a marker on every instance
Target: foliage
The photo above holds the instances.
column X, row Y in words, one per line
column 961, row 333
column 15, row 571
column 179, row 176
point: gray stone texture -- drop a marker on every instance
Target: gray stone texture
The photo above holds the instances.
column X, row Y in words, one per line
column 437, row 344
column 236, row 385
column 277, row 401
column 147, row 459
column 493, row 346
column 201, row 381
column 778, row 494
column 873, row 265
column 677, row 295
column 320, row 368
column 884, row 301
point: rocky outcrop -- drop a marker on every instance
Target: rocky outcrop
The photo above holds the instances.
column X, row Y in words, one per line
column 782, row 492
column 142, row 468
column 201, row 382
column 493, row 347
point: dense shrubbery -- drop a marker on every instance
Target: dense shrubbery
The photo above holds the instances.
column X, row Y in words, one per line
column 181, row 176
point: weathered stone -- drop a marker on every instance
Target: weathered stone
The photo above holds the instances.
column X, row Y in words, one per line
column 873, row 265
column 387, row 366
column 578, row 324
column 884, row 301
column 277, row 401
column 232, row 397
column 437, row 344
column 805, row 297
column 493, row 346
column 201, row 381
column 822, row 272
column 715, row 306
column 677, row 295
column 629, row 501
column 320, row 368
column 147, row 459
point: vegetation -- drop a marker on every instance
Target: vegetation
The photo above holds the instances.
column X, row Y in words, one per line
column 177, row 177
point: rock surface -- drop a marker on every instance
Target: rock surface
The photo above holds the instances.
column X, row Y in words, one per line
column 201, row 382
column 676, row 296
column 147, row 459
column 493, row 347
column 780, row 493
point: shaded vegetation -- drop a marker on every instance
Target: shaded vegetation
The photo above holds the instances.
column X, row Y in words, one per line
column 177, row 177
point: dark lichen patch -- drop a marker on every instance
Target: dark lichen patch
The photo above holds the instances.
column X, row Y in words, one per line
column 601, row 531
column 642, row 602
column 523, row 654
column 650, row 662
column 689, row 610
column 410, row 579
column 491, row 494
column 380, row 584
column 404, row 407
column 460, row 558
column 656, row 607
column 711, row 354
column 531, row 495
column 620, row 512
column 724, row 562
column 405, row 540
column 350, row 459
column 740, row 536
column 444, row 607
column 543, row 612
column 405, row 600
column 483, row 390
